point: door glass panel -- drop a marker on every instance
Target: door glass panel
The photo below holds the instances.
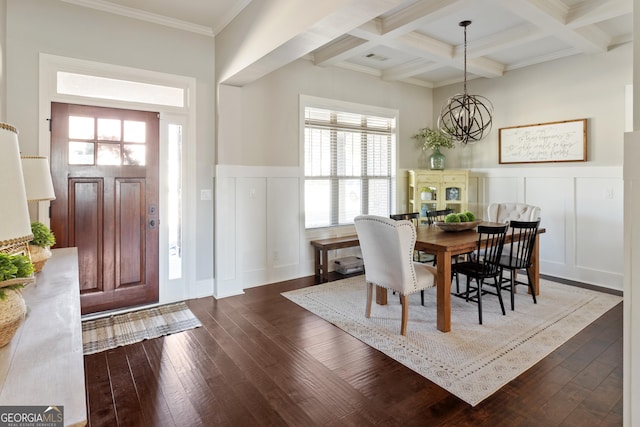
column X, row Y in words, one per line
column 452, row 193
column 109, row 154
column 133, row 154
column 454, row 206
column 109, row 130
column 174, row 196
column 81, row 153
column 81, row 127
column 427, row 207
column 134, row 131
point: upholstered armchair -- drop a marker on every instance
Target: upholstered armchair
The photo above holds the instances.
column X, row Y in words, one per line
column 387, row 251
column 503, row 212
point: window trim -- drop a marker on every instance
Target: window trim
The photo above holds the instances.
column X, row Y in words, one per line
column 345, row 106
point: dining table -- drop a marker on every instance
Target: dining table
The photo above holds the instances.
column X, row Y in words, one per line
column 445, row 245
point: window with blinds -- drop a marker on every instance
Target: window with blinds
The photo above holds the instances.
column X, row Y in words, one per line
column 349, row 165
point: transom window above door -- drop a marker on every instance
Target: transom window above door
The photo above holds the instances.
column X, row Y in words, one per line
column 102, row 141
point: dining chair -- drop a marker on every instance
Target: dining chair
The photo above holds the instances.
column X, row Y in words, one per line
column 503, row 212
column 409, row 216
column 484, row 263
column 439, row 215
column 387, row 250
column 517, row 256
column 413, row 217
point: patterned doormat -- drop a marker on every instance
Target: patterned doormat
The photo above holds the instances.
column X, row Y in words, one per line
column 123, row 329
column 472, row 361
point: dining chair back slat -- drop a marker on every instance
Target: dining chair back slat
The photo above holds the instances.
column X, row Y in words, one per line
column 439, row 215
column 518, row 256
column 484, row 263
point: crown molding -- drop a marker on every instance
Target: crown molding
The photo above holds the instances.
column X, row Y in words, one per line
column 141, row 15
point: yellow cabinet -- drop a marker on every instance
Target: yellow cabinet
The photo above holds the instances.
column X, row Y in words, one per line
column 431, row 190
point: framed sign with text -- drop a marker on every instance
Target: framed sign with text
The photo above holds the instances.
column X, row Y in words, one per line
column 564, row 141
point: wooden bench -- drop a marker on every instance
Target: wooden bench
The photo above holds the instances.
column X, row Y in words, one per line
column 321, row 252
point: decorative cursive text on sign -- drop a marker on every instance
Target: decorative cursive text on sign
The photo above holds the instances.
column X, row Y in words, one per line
column 546, row 142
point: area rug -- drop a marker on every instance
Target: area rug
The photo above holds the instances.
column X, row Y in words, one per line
column 128, row 328
column 472, row 361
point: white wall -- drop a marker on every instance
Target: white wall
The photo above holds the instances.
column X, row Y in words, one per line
column 260, row 236
column 66, row 30
column 268, row 131
column 584, row 234
column 3, row 62
column 582, row 203
column 631, row 337
column 591, row 87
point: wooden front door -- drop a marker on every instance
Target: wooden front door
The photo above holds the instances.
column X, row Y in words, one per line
column 104, row 164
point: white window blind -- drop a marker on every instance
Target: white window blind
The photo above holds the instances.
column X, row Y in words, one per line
column 349, row 163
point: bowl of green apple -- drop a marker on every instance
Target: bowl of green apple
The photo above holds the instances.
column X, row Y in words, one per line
column 459, row 221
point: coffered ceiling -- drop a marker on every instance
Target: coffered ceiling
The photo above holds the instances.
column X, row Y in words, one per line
column 420, row 41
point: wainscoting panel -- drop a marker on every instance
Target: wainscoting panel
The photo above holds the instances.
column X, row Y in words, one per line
column 258, row 228
column 600, row 200
column 581, row 209
column 284, row 227
column 260, row 236
column 251, row 203
column 225, row 253
column 503, row 188
column 555, row 197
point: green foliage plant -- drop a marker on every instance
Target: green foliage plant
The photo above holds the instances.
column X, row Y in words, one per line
column 470, row 215
column 12, row 267
column 42, row 235
column 433, row 139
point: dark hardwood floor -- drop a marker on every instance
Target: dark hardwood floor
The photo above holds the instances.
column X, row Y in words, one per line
column 260, row 359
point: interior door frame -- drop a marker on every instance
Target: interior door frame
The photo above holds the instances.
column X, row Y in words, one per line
column 169, row 290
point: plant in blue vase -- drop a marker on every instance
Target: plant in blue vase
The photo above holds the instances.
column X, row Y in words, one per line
column 434, row 140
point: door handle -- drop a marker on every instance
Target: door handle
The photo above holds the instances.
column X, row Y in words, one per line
column 153, row 223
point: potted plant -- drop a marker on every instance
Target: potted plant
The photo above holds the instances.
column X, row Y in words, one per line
column 426, row 193
column 434, row 140
column 15, row 272
column 39, row 247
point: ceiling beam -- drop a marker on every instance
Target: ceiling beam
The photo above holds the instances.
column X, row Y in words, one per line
column 419, row 14
column 409, row 69
column 342, row 49
column 393, row 29
column 594, row 11
column 269, row 34
column 552, row 16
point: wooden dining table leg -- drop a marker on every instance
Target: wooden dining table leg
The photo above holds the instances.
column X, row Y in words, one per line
column 443, row 284
column 534, row 270
column 381, row 295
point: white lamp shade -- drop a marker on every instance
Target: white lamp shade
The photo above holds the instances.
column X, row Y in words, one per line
column 37, row 178
column 15, row 225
